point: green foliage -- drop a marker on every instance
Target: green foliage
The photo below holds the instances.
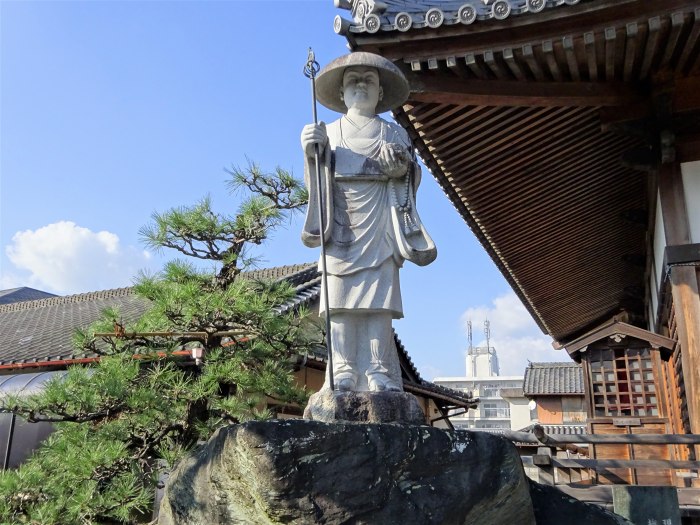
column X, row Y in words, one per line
column 279, row 189
column 194, row 230
column 83, row 474
column 144, row 404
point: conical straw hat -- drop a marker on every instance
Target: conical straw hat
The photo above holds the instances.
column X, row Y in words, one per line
column 392, row 80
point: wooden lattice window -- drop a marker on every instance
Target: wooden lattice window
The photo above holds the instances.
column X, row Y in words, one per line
column 623, row 382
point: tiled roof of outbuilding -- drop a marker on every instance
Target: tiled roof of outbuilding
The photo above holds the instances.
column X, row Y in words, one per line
column 551, row 379
column 371, row 16
column 42, row 330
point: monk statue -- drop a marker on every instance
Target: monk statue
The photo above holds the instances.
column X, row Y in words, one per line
column 369, row 178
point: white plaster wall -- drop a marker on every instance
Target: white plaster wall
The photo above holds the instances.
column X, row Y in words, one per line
column 519, row 413
column 690, row 172
column 657, row 262
column 691, row 188
column 659, row 240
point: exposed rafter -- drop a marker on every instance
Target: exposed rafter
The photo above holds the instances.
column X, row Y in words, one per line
column 467, row 92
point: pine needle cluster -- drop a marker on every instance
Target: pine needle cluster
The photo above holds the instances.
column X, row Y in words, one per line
column 144, row 404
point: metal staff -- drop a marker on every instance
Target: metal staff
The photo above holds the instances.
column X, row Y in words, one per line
column 310, row 70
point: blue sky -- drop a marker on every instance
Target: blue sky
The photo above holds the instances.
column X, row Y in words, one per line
column 111, row 110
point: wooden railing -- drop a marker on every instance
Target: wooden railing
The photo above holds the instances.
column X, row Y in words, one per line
column 538, row 435
column 553, row 470
column 573, row 442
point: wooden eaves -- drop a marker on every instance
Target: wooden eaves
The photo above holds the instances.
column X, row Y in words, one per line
column 617, row 328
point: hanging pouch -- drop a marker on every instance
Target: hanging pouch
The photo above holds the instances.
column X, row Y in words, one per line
column 412, row 239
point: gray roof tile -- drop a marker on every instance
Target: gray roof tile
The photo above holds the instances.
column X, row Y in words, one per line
column 553, row 379
column 294, row 273
column 24, row 293
column 558, row 430
column 42, row 330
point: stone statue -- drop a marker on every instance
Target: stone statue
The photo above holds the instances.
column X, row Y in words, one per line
column 369, row 181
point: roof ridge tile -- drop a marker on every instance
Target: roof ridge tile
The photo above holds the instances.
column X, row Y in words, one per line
column 64, row 299
column 281, row 272
column 371, row 16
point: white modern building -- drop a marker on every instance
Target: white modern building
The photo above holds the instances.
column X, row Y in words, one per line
column 502, row 403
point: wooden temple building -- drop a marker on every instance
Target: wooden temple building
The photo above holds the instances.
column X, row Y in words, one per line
column 566, row 134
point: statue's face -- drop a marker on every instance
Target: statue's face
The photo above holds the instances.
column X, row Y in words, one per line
column 361, row 89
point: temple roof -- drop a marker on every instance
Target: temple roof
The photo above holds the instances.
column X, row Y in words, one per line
column 372, row 16
column 616, row 331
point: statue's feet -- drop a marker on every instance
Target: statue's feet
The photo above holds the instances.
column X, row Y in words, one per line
column 346, row 384
column 382, row 383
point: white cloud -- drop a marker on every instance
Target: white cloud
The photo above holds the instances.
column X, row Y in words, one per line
column 514, row 334
column 9, row 281
column 66, row 258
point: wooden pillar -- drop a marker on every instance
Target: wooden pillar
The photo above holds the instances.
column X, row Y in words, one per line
column 684, row 286
column 543, row 460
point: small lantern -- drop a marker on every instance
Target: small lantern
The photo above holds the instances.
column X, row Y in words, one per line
column 197, row 354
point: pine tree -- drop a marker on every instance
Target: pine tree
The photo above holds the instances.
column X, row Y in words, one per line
column 140, row 406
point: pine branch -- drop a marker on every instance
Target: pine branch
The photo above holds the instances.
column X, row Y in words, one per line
column 63, row 416
column 281, row 188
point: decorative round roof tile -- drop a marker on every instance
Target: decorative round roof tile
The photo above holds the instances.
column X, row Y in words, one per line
column 501, row 9
column 536, row 6
column 467, row 14
column 403, row 21
column 338, row 24
column 372, row 23
column 434, row 17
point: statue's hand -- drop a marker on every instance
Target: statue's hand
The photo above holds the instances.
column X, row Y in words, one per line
column 393, row 159
column 313, row 134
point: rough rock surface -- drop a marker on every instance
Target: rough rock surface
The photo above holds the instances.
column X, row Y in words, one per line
column 298, row 471
column 553, row 507
column 364, row 407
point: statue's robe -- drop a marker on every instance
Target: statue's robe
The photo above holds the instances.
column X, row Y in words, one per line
column 370, row 234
